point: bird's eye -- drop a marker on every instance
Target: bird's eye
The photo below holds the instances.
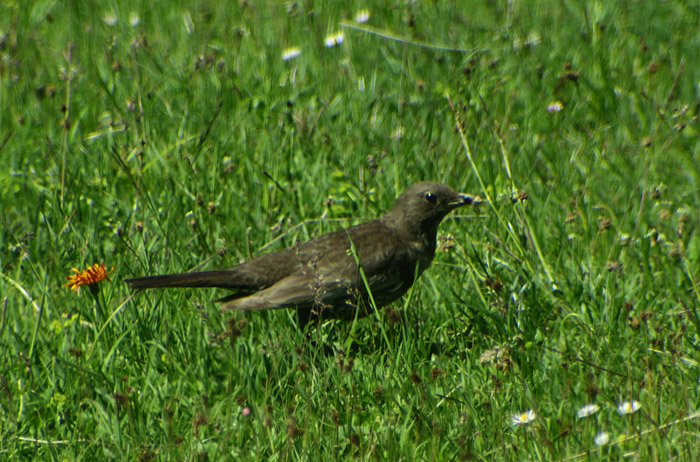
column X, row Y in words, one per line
column 430, row 197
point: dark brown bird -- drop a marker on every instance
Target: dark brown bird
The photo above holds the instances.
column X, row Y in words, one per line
column 321, row 277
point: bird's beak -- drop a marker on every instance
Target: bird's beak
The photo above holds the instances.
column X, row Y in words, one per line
column 466, row 199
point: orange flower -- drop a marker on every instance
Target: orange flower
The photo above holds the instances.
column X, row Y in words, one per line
column 88, row 277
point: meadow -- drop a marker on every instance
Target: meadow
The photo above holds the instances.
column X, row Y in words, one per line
column 558, row 321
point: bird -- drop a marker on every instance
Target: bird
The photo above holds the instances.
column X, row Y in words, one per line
column 340, row 275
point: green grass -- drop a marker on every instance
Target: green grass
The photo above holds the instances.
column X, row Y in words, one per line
column 186, row 142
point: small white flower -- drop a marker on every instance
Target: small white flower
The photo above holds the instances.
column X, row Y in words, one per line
column 588, row 409
column 533, row 39
column 110, row 19
column 397, row 134
column 362, row 16
column 290, row 53
column 629, row 407
column 523, row 418
column 556, row 106
column 624, row 238
column 334, row 39
column 134, row 19
column 601, row 439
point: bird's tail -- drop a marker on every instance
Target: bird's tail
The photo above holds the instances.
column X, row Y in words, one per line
column 223, row 279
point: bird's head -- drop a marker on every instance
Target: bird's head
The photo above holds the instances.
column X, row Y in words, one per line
column 421, row 208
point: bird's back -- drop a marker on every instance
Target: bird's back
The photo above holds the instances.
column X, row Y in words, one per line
column 376, row 246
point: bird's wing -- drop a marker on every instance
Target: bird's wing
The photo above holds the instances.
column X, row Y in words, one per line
column 298, row 290
column 388, row 262
column 330, row 275
column 389, row 271
column 379, row 249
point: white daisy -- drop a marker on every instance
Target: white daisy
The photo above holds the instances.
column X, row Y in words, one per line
column 533, row 39
column 523, row 418
column 290, row 53
column 601, row 439
column 588, row 409
column 629, row 407
column 134, row 19
column 110, row 19
column 334, row 39
column 556, row 106
column 362, row 16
